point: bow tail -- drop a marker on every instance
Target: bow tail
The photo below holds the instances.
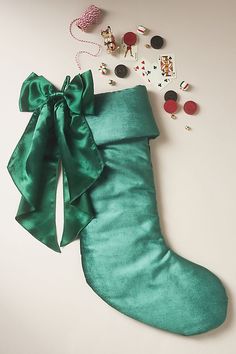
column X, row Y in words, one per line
column 40, row 221
column 76, row 216
column 82, row 166
column 33, row 167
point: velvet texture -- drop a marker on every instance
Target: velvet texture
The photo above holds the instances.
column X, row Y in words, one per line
column 125, row 258
column 102, row 142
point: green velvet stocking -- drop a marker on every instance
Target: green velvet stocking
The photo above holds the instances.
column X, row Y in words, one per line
column 125, row 258
column 102, row 142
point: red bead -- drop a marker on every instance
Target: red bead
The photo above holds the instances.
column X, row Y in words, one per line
column 170, row 106
column 190, row 107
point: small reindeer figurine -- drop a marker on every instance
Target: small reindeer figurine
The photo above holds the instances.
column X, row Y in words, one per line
column 109, row 40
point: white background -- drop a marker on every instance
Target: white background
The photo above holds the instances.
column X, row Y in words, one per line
column 46, row 305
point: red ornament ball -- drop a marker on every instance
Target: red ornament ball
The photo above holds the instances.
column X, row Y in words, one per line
column 130, row 38
column 170, row 106
column 190, row 107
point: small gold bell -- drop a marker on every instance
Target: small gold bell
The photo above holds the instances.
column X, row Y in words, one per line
column 111, row 82
column 187, row 127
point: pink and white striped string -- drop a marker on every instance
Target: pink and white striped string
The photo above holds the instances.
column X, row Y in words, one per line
column 91, row 16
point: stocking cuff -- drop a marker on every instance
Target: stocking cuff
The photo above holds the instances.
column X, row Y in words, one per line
column 122, row 115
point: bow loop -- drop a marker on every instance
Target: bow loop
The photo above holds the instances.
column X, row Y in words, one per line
column 34, row 92
column 79, row 94
column 57, row 133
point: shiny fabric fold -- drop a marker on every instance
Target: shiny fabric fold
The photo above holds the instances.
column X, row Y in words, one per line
column 57, row 134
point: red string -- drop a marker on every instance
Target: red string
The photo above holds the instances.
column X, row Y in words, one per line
column 83, row 41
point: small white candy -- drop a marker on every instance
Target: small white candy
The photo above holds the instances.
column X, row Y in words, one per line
column 141, row 29
column 103, row 69
column 184, row 85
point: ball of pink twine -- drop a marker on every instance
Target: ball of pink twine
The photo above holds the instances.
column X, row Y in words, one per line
column 91, row 16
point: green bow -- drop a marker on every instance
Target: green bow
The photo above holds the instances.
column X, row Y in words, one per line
column 57, row 132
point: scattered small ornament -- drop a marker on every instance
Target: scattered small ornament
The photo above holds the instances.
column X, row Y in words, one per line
column 121, row 70
column 129, row 40
column 171, row 95
column 184, row 85
column 190, row 107
column 147, row 45
column 170, row 106
column 187, row 127
column 157, row 42
column 109, row 40
column 141, row 29
column 103, row 69
column 111, row 82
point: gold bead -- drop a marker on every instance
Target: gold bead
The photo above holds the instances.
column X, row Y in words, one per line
column 187, row 127
column 111, row 82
